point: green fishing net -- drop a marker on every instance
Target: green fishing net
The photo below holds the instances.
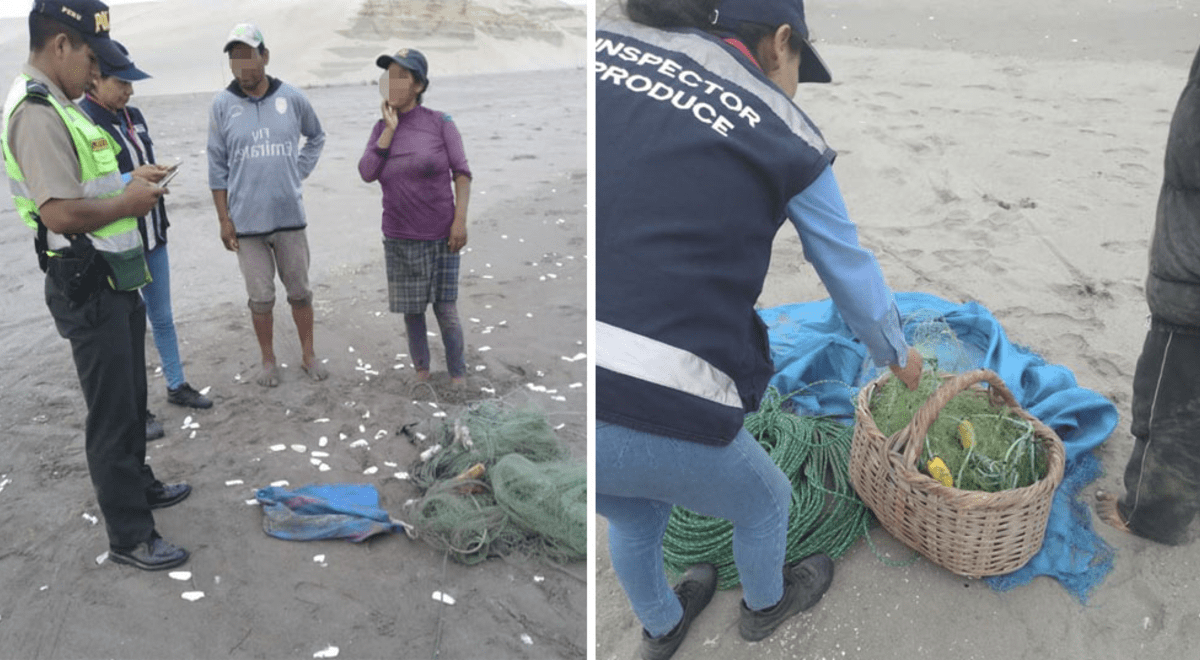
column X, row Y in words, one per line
column 531, row 497
column 1000, row 452
column 825, row 515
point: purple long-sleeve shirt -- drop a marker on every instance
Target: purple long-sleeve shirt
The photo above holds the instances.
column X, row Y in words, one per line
column 415, row 173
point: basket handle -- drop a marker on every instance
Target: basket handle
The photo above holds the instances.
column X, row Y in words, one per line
column 913, row 438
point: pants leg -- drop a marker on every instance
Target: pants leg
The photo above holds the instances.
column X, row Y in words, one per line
column 642, row 474
column 418, row 341
column 452, row 337
column 635, row 533
column 107, row 335
column 157, row 295
column 1163, row 472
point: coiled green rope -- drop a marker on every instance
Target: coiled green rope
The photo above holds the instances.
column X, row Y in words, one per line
column 826, row 515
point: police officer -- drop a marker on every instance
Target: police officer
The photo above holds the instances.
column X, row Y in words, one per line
column 62, row 171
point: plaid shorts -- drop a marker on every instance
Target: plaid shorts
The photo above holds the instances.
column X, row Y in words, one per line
column 419, row 273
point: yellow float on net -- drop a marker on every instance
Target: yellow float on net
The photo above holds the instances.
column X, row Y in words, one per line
column 966, row 433
column 938, row 470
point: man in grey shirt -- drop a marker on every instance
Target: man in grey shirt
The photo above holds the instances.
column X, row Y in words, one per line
column 255, row 169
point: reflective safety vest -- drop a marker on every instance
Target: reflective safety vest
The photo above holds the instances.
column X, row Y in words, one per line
column 119, row 242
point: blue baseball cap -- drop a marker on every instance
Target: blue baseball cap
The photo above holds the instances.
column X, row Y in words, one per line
column 409, row 58
column 90, row 18
column 128, row 73
column 731, row 13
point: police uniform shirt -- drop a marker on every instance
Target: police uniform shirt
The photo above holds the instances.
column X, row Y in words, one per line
column 42, row 145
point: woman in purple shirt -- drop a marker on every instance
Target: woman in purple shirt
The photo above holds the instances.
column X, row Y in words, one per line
column 417, row 156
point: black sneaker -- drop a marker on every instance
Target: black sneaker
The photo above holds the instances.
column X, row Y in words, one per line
column 804, row 582
column 161, row 496
column 154, row 428
column 695, row 590
column 153, row 555
column 187, row 396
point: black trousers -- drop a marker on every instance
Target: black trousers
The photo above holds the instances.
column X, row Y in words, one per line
column 1163, row 474
column 108, row 335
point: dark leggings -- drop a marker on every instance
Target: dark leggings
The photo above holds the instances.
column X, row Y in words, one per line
column 452, row 338
column 1163, row 473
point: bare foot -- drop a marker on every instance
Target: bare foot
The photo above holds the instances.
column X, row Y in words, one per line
column 422, row 375
column 315, row 369
column 269, row 377
column 1106, row 510
column 458, row 382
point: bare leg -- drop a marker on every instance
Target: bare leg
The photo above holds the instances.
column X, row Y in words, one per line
column 264, row 331
column 303, row 316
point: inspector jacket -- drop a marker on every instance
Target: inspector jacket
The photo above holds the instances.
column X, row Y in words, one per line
column 697, row 155
column 1173, row 285
column 118, row 243
column 128, row 128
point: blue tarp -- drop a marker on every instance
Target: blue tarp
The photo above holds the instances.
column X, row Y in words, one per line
column 324, row 511
column 817, row 357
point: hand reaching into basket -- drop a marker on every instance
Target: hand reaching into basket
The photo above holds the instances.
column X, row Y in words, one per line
column 910, row 375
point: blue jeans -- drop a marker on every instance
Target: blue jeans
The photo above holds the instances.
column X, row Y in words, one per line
column 639, row 476
column 157, row 295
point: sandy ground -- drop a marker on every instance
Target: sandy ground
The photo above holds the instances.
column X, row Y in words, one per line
column 522, row 301
column 1011, row 156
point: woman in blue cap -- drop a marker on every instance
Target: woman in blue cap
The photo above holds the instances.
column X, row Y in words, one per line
column 700, row 156
column 107, row 104
column 416, row 154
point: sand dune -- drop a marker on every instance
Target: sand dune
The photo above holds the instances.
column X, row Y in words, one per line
column 329, row 43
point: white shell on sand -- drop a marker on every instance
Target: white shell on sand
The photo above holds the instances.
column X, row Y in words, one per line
column 443, row 598
column 182, row 576
column 330, row 652
column 192, row 595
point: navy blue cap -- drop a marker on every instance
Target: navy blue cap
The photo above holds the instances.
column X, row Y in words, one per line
column 409, row 58
column 773, row 13
column 128, row 73
column 90, row 18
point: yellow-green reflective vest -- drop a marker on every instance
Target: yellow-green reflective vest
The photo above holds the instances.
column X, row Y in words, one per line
column 120, row 242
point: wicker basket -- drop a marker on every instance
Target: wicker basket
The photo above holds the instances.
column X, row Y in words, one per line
column 970, row 533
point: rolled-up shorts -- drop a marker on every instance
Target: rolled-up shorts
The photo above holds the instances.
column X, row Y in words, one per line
column 259, row 257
